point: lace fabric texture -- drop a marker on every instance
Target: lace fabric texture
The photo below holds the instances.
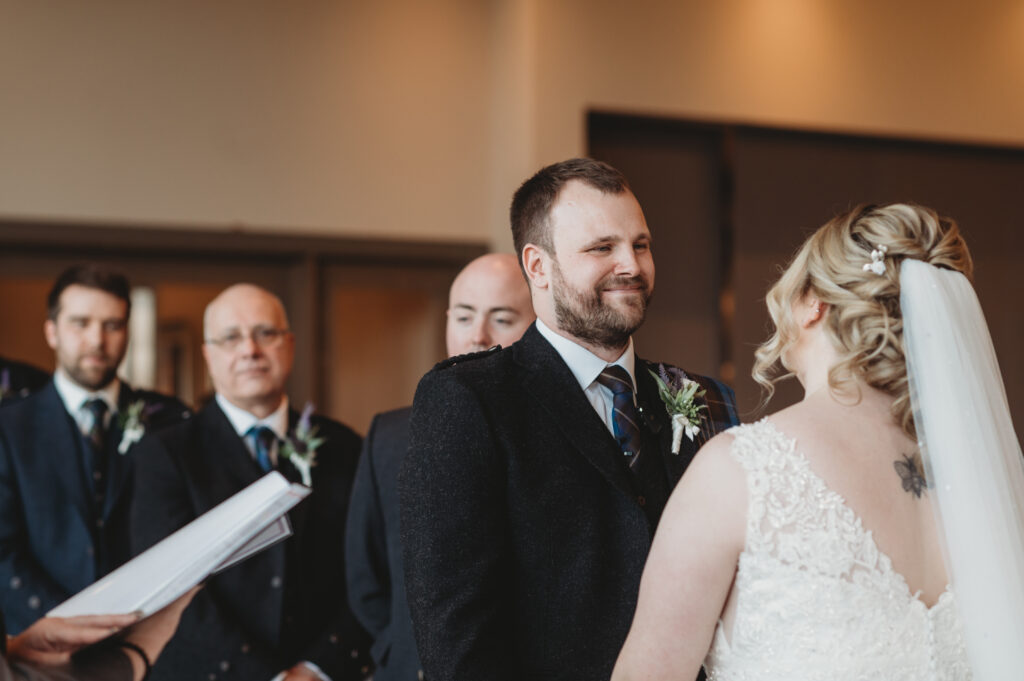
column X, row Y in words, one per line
column 816, row 599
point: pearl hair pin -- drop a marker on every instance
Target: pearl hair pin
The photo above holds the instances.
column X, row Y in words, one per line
column 877, row 264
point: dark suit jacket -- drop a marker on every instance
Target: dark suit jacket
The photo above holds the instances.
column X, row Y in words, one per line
column 18, row 380
column 282, row 606
column 523, row 530
column 376, row 581
column 54, row 540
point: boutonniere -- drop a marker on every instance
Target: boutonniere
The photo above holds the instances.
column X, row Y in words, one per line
column 133, row 424
column 680, row 394
column 301, row 444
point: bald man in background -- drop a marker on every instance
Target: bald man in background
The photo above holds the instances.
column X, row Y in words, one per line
column 281, row 614
column 489, row 304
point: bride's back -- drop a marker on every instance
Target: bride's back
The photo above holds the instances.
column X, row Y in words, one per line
column 860, row 453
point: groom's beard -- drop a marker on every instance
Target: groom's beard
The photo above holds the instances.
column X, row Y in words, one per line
column 586, row 316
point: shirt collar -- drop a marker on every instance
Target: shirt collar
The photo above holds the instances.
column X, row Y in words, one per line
column 242, row 421
column 585, row 365
column 74, row 395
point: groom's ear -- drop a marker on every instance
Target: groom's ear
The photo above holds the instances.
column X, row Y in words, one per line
column 537, row 265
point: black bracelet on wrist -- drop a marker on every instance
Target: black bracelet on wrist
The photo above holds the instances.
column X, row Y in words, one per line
column 142, row 653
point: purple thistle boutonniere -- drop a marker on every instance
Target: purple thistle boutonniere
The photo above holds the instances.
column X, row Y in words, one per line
column 680, row 394
column 5, row 383
column 301, row 444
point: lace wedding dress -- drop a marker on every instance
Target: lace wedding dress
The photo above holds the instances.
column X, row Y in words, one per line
column 816, row 599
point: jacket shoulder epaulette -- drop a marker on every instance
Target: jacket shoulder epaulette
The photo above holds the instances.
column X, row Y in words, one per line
column 468, row 357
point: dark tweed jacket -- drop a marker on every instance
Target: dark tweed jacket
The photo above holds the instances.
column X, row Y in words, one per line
column 524, row 534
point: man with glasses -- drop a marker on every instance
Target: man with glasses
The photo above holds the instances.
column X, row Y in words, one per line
column 66, row 452
column 283, row 613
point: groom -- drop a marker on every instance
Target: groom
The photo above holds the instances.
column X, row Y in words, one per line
column 536, row 474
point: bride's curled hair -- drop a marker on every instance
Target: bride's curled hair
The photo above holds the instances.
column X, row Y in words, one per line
column 863, row 319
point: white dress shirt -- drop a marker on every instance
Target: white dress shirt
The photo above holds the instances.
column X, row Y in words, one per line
column 242, row 421
column 586, row 367
column 75, row 396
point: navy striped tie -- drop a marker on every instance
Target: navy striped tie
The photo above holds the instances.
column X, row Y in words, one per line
column 625, row 421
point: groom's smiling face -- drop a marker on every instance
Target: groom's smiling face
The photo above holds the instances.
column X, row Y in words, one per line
column 602, row 271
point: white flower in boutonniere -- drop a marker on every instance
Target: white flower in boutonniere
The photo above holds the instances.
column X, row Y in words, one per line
column 300, row 446
column 133, row 426
column 680, row 395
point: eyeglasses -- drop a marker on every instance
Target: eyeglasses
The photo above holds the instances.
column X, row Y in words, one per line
column 263, row 336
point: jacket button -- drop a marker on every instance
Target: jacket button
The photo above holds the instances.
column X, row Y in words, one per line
column 34, row 602
column 225, row 665
column 641, row 500
column 275, row 582
column 15, row 582
column 245, row 648
column 333, row 638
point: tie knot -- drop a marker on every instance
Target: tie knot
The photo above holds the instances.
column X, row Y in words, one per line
column 261, row 435
column 97, row 410
column 616, row 379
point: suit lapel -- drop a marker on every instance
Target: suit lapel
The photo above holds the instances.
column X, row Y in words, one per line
column 551, row 384
column 299, row 513
column 118, row 465
column 223, row 447
column 61, row 442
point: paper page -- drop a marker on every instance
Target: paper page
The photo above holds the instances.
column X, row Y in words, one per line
column 276, row 532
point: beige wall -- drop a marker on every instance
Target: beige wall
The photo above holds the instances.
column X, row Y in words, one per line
column 404, row 118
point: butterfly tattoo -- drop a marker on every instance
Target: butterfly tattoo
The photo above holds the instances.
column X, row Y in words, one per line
column 911, row 472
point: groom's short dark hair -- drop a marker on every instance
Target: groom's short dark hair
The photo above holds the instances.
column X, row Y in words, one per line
column 532, row 202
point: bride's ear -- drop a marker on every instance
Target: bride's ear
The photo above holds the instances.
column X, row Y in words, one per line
column 813, row 310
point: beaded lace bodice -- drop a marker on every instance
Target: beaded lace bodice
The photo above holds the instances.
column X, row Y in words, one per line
column 815, row 598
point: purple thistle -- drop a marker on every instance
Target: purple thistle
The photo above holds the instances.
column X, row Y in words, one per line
column 304, row 424
column 5, row 381
column 674, row 377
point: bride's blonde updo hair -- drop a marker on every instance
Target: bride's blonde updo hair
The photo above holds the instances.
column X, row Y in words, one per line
column 863, row 318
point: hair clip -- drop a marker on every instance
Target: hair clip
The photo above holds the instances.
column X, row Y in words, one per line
column 877, row 264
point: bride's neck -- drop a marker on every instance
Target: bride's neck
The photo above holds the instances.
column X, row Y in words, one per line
column 853, row 396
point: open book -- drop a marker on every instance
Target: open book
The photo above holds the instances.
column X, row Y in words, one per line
column 227, row 534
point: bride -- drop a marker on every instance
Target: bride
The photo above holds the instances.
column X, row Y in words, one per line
column 873, row 530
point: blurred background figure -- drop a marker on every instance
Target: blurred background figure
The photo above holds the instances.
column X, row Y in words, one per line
column 489, row 304
column 18, row 379
column 282, row 612
column 66, row 452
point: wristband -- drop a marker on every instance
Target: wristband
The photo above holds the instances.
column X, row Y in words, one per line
column 121, row 643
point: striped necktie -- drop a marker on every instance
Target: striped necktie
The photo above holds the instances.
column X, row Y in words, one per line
column 625, row 421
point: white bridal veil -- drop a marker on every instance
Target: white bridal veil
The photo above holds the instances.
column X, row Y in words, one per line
column 973, row 462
